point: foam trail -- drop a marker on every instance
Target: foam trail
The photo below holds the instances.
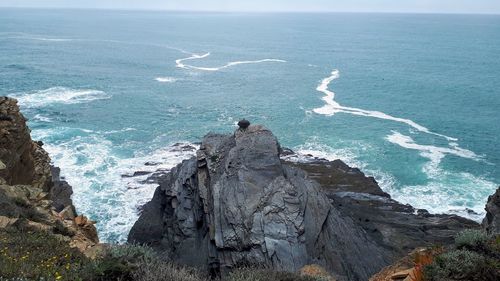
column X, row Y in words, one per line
column 179, row 63
column 433, row 153
column 166, row 79
column 331, row 107
column 59, row 95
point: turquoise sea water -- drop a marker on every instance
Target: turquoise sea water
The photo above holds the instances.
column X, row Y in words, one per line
column 411, row 99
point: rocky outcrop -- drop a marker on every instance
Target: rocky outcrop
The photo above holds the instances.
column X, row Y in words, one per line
column 24, row 160
column 491, row 222
column 394, row 226
column 32, row 194
column 236, row 203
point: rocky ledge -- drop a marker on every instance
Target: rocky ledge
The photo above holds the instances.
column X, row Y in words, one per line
column 32, row 194
column 244, row 201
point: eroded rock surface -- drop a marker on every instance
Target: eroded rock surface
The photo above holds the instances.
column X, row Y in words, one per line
column 32, row 193
column 492, row 220
column 244, row 200
column 394, row 226
column 236, row 203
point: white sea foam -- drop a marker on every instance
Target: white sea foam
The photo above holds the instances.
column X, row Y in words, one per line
column 331, row 107
column 433, row 153
column 94, row 169
column 41, row 118
column 52, row 39
column 180, row 62
column 444, row 192
column 27, row 36
column 166, row 79
column 59, row 95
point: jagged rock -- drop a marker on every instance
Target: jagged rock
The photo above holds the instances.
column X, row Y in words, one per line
column 60, row 192
column 392, row 225
column 6, row 221
column 26, row 162
column 236, row 203
column 32, row 194
column 492, row 220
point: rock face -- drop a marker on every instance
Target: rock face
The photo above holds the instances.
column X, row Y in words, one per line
column 32, row 194
column 394, row 226
column 244, row 200
column 236, row 203
column 25, row 161
column 492, row 220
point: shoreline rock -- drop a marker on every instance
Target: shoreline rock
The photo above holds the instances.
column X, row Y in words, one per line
column 212, row 211
column 32, row 193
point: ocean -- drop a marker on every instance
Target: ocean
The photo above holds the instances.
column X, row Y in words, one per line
column 410, row 99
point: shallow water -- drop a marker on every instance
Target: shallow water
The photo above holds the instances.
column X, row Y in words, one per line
column 410, row 99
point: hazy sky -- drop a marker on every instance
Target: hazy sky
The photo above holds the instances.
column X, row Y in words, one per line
column 433, row 6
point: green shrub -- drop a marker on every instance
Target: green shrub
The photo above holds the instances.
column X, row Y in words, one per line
column 121, row 261
column 460, row 265
column 165, row 271
column 472, row 239
column 252, row 274
column 27, row 255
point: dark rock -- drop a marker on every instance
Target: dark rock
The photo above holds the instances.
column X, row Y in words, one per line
column 4, row 117
column 400, row 228
column 237, row 202
column 492, row 220
column 336, row 176
column 136, row 174
column 286, row 152
column 60, row 192
column 244, row 206
column 243, row 124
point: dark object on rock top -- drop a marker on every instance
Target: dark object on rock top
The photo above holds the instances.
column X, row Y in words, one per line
column 243, row 124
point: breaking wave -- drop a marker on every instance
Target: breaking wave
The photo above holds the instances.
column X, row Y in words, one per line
column 59, row 95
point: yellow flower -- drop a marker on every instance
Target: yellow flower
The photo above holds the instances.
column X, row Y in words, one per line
column 59, row 277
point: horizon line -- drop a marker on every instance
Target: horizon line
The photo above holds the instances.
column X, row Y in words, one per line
column 251, row 11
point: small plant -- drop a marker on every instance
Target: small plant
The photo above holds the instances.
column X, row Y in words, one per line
column 253, row 274
column 459, row 265
column 27, row 255
column 472, row 239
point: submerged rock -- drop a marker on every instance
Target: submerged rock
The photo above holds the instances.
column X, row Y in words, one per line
column 236, row 203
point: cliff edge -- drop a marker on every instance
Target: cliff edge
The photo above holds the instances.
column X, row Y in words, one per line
column 32, row 194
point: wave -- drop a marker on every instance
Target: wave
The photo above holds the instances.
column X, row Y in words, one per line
column 27, row 36
column 42, row 118
column 166, row 79
column 51, row 39
column 180, row 62
column 59, row 95
column 433, row 153
column 444, row 192
column 333, row 107
column 95, row 170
